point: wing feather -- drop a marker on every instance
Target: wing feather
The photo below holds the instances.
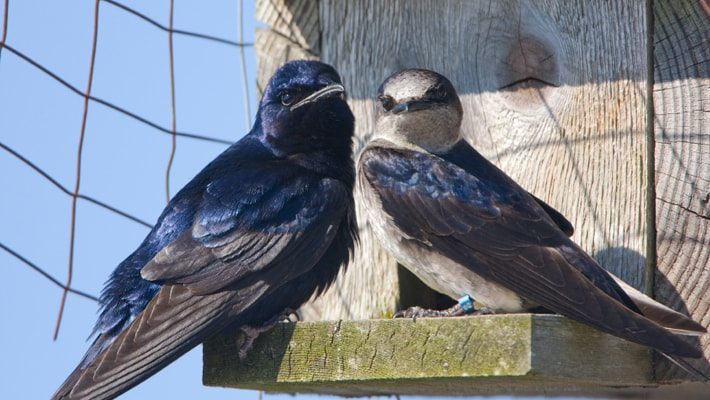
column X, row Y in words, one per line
column 207, row 262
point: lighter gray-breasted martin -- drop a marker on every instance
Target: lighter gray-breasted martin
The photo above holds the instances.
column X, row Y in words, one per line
column 466, row 228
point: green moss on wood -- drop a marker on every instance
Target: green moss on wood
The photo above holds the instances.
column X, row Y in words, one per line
column 429, row 356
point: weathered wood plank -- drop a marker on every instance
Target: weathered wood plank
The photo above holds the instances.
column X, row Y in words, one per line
column 577, row 141
column 489, row 354
column 295, row 20
column 292, row 33
column 272, row 50
column 681, row 99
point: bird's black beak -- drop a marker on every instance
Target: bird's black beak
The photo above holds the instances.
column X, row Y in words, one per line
column 334, row 90
column 412, row 105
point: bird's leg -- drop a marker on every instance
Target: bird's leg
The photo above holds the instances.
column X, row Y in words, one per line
column 250, row 333
column 482, row 311
column 463, row 307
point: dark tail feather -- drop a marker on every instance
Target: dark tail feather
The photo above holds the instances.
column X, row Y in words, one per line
column 100, row 344
column 174, row 322
column 687, row 367
column 659, row 313
column 76, row 386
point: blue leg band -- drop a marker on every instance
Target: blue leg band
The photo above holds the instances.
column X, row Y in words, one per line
column 466, row 304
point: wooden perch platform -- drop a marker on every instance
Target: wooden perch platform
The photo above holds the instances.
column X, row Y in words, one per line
column 516, row 353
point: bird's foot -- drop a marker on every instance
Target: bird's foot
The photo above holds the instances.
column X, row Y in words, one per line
column 483, row 311
column 250, row 333
column 465, row 306
column 419, row 312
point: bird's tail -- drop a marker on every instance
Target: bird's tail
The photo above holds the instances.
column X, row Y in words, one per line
column 97, row 347
column 669, row 319
column 173, row 322
column 660, row 314
column 687, row 367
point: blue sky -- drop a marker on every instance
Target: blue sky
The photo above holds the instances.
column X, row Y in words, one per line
column 123, row 164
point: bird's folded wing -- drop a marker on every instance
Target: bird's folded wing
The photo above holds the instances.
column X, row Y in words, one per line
column 240, row 248
column 497, row 229
column 271, row 230
column 562, row 222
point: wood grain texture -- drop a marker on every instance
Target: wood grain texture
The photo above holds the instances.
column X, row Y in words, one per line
column 517, row 353
column 553, row 93
column 295, row 20
column 272, row 51
column 292, row 33
column 681, row 99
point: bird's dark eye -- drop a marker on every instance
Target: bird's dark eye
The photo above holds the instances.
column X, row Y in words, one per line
column 387, row 102
column 288, row 99
column 439, row 92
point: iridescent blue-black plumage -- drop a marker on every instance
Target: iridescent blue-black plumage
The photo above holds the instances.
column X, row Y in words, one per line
column 260, row 229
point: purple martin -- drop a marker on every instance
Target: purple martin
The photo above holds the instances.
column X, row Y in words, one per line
column 467, row 230
column 256, row 233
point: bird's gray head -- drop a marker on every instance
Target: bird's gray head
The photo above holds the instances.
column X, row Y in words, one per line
column 419, row 107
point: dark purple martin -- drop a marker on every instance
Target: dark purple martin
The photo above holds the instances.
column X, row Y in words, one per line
column 467, row 229
column 256, row 233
